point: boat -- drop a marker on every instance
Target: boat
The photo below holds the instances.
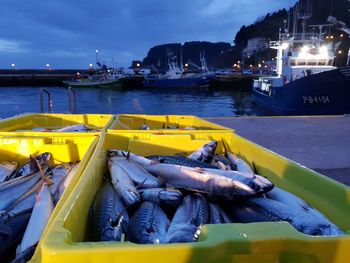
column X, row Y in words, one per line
column 307, row 83
column 110, row 79
column 176, row 77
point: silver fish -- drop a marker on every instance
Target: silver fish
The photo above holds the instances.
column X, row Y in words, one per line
column 221, row 162
column 179, row 160
column 75, row 128
column 10, row 193
column 218, row 215
column 241, row 165
column 200, row 180
column 160, row 196
column 258, row 183
column 297, row 203
column 136, row 173
column 31, row 166
column 40, row 216
column 6, row 170
column 265, row 210
column 148, row 225
column 109, row 216
column 205, row 153
column 123, row 184
column 69, row 171
column 16, row 226
column 188, row 219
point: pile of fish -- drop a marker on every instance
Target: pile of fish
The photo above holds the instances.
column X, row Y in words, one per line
column 167, row 199
column 28, row 196
column 71, row 128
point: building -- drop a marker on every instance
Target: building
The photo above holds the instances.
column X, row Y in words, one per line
column 254, row 45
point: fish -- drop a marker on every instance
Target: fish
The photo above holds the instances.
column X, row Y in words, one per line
column 268, row 210
column 166, row 196
column 180, row 160
column 222, row 163
column 14, row 229
column 122, row 183
column 188, row 219
column 40, row 215
column 11, row 192
column 110, row 218
column 240, row 164
column 75, row 128
column 259, row 183
column 205, row 153
column 70, row 171
column 137, row 174
column 136, row 158
column 25, row 255
column 297, row 203
column 31, row 166
column 197, row 179
column 148, row 225
column 6, row 170
column 218, row 215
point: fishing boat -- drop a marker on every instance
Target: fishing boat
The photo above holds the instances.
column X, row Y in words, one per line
column 307, row 83
column 109, row 80
column 176, row 77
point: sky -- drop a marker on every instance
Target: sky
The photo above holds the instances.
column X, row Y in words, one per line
column 67, row 33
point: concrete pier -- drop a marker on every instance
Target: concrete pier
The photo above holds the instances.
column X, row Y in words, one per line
column 321, row 143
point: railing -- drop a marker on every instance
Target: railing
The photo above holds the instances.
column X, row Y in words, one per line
column 72, row 98
column 49, row 101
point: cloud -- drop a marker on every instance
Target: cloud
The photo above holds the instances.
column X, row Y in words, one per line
column 68, row 32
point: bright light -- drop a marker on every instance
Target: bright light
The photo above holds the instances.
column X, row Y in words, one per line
column 138, row 65
column 341, row 35
column 305, row 49
column 332, row 37
column 186, row 65
column 78, row 73
column 251, row 65
column 273, row 59
column 285, row 45
column 235, row 65
column 96, row 51
column 263, row 61
column 108, row 71
column 340, row 52
column 259, row 65
column 323, row 50
column 239, row 62
column 327, row 37
column 265, row 66
column 13, row 65
column 47, row 65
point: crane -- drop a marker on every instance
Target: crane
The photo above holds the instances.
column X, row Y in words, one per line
column 341, row 26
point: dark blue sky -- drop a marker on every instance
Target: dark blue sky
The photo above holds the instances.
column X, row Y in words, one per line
column 66, row 33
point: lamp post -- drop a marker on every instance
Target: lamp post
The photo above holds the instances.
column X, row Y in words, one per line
column 96, row 52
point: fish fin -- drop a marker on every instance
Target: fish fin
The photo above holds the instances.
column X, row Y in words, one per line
column 4, row 229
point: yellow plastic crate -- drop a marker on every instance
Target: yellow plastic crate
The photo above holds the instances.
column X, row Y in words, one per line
column 70, row 148
column 256, row 242
column 23, row 124
column 165, row 123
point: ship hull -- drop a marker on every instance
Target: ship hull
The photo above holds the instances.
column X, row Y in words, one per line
column 326, row 93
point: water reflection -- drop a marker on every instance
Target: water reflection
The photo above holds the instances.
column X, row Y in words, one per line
column 213, row 103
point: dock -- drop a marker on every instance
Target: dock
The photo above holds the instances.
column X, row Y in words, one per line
column 320, row 143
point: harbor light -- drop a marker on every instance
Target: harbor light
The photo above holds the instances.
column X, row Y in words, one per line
column 238, row 62
column 90, row 65
column 341, row 35
column 285, row 45
column 235, row 65
column 340, row 52
column 332, row 37
column 96, row 51
column 259, row 65
column 186, row 65
column 138, row 65
column 13, row 65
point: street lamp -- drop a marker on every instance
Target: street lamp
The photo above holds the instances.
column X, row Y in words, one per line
column 138, row 65
column 13, row 65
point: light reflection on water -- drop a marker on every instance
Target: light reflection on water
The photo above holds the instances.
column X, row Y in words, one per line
column 209, row 103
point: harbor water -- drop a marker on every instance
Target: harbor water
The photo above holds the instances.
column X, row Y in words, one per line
column 202, row 103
